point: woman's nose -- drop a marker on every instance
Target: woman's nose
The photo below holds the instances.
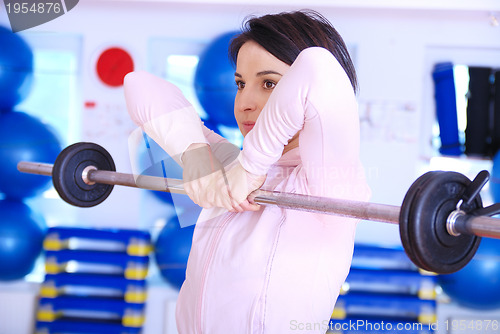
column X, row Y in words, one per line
column 245, row 101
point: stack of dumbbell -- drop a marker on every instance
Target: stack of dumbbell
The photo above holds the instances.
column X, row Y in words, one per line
column 384, row 292
column 95, row 281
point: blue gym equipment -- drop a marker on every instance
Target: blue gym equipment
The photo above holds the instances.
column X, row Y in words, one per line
column 172, row 248
column 214, row 81
column 21, row 239
column 24, row 137
column 16, row 69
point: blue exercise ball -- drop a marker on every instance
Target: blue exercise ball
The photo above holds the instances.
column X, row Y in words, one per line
column 477, row 285
column 24, row 138
column 16, row 69
column 495, row 178
column 214, row 81
column 173, row 245
column 154, row 161
column 21, row 239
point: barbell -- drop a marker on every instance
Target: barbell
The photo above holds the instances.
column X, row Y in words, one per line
column 441, row 220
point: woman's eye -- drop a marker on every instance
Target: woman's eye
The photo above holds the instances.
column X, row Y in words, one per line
column 240, row 84
column 269, row 84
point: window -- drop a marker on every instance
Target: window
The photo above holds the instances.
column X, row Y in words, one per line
column 54, row 93
column 181, row 70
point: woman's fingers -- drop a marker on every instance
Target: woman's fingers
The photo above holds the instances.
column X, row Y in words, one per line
column 220, row 187
column 247, row 206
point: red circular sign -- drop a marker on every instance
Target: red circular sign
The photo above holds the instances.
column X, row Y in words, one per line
column 112, row 66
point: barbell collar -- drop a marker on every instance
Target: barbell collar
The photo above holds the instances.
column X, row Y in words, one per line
column 451, row 221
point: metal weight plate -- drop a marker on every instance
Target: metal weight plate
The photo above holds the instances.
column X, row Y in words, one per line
column 67, row 174
column 434, row 249
column 405, row 212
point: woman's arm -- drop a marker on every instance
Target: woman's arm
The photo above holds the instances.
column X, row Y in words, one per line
column 160, row 109
column 223, row 149
column 316, row 98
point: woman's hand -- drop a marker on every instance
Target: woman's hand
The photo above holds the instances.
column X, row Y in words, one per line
column 209, row 184
column 241, row 183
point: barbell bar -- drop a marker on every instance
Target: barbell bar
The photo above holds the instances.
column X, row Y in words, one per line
column 439, row 232
column 477, row 225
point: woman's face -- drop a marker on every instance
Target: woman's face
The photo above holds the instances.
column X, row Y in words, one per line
column 257, row 73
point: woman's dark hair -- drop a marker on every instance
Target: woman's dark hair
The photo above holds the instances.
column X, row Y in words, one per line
column 285, row 35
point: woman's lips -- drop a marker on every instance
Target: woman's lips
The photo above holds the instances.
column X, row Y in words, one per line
column 248, row 125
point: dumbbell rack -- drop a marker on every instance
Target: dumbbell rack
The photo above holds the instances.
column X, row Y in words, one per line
column 95, row 281
column 384, row 287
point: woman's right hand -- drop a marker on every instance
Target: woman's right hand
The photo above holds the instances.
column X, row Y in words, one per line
column 200, row 174
column 209, row 184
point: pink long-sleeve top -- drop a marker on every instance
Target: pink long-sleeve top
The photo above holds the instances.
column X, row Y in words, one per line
column 275, row 270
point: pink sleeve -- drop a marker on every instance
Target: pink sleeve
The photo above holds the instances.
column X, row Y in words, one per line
column 160, row 109
column 315, row 96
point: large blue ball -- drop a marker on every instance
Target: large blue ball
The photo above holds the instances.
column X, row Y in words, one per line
column 21, row 239
column 477, row 285
column 172, row 248
column 16, row 69
column 24, row 138
column 214, row 81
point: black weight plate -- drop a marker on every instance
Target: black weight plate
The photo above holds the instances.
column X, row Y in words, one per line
column 405, row 212
column 67, row 174
column 434, row 248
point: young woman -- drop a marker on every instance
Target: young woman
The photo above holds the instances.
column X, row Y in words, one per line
column 253, row 268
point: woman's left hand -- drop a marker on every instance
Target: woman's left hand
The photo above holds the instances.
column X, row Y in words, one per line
column 241, row 183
